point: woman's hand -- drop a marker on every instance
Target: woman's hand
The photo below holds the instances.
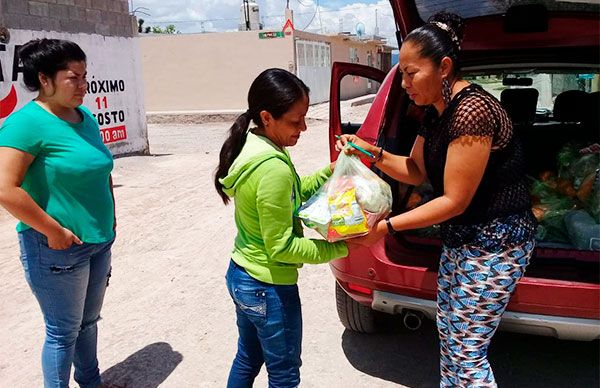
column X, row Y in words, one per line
column 344, row 139
column 375, row 234
column 62, row 239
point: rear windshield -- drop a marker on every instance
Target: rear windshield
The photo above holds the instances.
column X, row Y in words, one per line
column 465, row 8
column 549, row 84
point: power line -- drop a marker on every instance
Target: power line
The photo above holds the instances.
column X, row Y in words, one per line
column 313, row 17
column 273, row 16
column 316, row 5
column 349, row 9
column 193, row 21
column 301, row 3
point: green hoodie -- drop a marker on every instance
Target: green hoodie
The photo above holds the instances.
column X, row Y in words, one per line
column 267, row 192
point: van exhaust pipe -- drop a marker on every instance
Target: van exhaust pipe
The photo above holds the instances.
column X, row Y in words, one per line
column 413, row 319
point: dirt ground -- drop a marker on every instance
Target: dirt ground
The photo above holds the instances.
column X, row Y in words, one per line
column 168, row 320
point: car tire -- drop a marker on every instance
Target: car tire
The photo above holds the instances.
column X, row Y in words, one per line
column 353, row 315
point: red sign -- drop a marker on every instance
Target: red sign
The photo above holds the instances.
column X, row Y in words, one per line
column 110, row 135
column 8, row 103
column 288, row 27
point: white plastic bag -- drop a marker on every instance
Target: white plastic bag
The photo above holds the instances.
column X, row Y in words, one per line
column 351, row 202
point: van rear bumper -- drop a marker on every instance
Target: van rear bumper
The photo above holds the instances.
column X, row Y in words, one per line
column 579, row 329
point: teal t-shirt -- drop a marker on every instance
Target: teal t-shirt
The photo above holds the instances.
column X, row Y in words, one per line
column 69, row 177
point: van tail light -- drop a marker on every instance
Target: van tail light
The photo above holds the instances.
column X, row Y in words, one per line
column 361, row 289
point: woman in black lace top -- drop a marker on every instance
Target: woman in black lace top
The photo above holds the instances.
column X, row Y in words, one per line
column 467, row 150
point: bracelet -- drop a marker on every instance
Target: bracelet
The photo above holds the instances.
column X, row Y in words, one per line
column 390, row 229
column 379, row 155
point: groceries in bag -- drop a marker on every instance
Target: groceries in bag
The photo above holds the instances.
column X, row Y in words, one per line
column 351, row 202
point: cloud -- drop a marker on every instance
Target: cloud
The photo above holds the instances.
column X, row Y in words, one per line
column 346, row 18
column 224, row 15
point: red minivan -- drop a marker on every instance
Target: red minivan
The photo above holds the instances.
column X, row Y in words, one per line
column 542, row 61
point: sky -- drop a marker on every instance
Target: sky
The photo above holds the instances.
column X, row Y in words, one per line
column 319, row 16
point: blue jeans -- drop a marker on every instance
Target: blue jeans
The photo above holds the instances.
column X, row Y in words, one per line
column 269, row 321
column 69, row 286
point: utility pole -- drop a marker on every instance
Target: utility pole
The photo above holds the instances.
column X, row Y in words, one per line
column 247, row 14
column 289, row 14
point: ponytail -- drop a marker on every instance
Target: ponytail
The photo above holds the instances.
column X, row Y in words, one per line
column 230, row 150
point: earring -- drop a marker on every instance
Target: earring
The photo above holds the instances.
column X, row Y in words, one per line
column 446, row 91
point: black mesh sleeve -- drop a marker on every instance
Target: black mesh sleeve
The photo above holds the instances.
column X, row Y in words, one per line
column 473, row 117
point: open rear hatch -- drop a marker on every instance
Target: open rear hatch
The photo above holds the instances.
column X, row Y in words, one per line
column 562, row 280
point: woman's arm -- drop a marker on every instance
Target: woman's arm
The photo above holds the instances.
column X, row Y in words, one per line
column 466, row 161
column 275, row 213
column 410, row 170
column 309, row 184
column 13, row 167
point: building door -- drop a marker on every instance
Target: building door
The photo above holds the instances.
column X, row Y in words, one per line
column 313, row 66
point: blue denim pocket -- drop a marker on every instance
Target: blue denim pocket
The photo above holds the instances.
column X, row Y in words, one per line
column 253, row 302
column 59, row 260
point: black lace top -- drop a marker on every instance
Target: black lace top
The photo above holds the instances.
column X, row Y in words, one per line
column 502, row 196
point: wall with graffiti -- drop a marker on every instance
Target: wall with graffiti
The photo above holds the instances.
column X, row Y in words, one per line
column 115, row 94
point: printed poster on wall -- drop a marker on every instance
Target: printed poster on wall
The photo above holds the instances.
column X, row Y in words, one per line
column 114, row 90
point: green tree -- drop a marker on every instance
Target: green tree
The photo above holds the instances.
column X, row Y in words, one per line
column 170, row 29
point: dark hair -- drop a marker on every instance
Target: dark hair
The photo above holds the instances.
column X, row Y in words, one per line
column 440, row 37
column 274, row 91
column 47, row 56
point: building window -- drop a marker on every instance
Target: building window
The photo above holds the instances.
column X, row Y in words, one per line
column 301, row 59
column 313, row 54
column 310, row 55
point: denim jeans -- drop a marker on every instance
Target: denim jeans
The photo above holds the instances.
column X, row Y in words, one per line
column 69, row 286
column 269, row 321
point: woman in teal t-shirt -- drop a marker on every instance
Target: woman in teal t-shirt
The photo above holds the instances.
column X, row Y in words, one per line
column 55, row 178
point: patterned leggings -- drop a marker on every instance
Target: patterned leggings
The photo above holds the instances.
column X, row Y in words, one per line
column 474, row 287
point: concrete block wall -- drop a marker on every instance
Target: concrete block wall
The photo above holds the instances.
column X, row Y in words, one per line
column 103, row 17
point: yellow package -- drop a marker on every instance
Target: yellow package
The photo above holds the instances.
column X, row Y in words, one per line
column 347, row 218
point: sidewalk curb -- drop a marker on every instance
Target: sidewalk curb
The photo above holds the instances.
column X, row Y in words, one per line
column 203, row 117
column 192, row 117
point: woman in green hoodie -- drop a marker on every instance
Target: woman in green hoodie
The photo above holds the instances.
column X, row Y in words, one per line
column 255, row 170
